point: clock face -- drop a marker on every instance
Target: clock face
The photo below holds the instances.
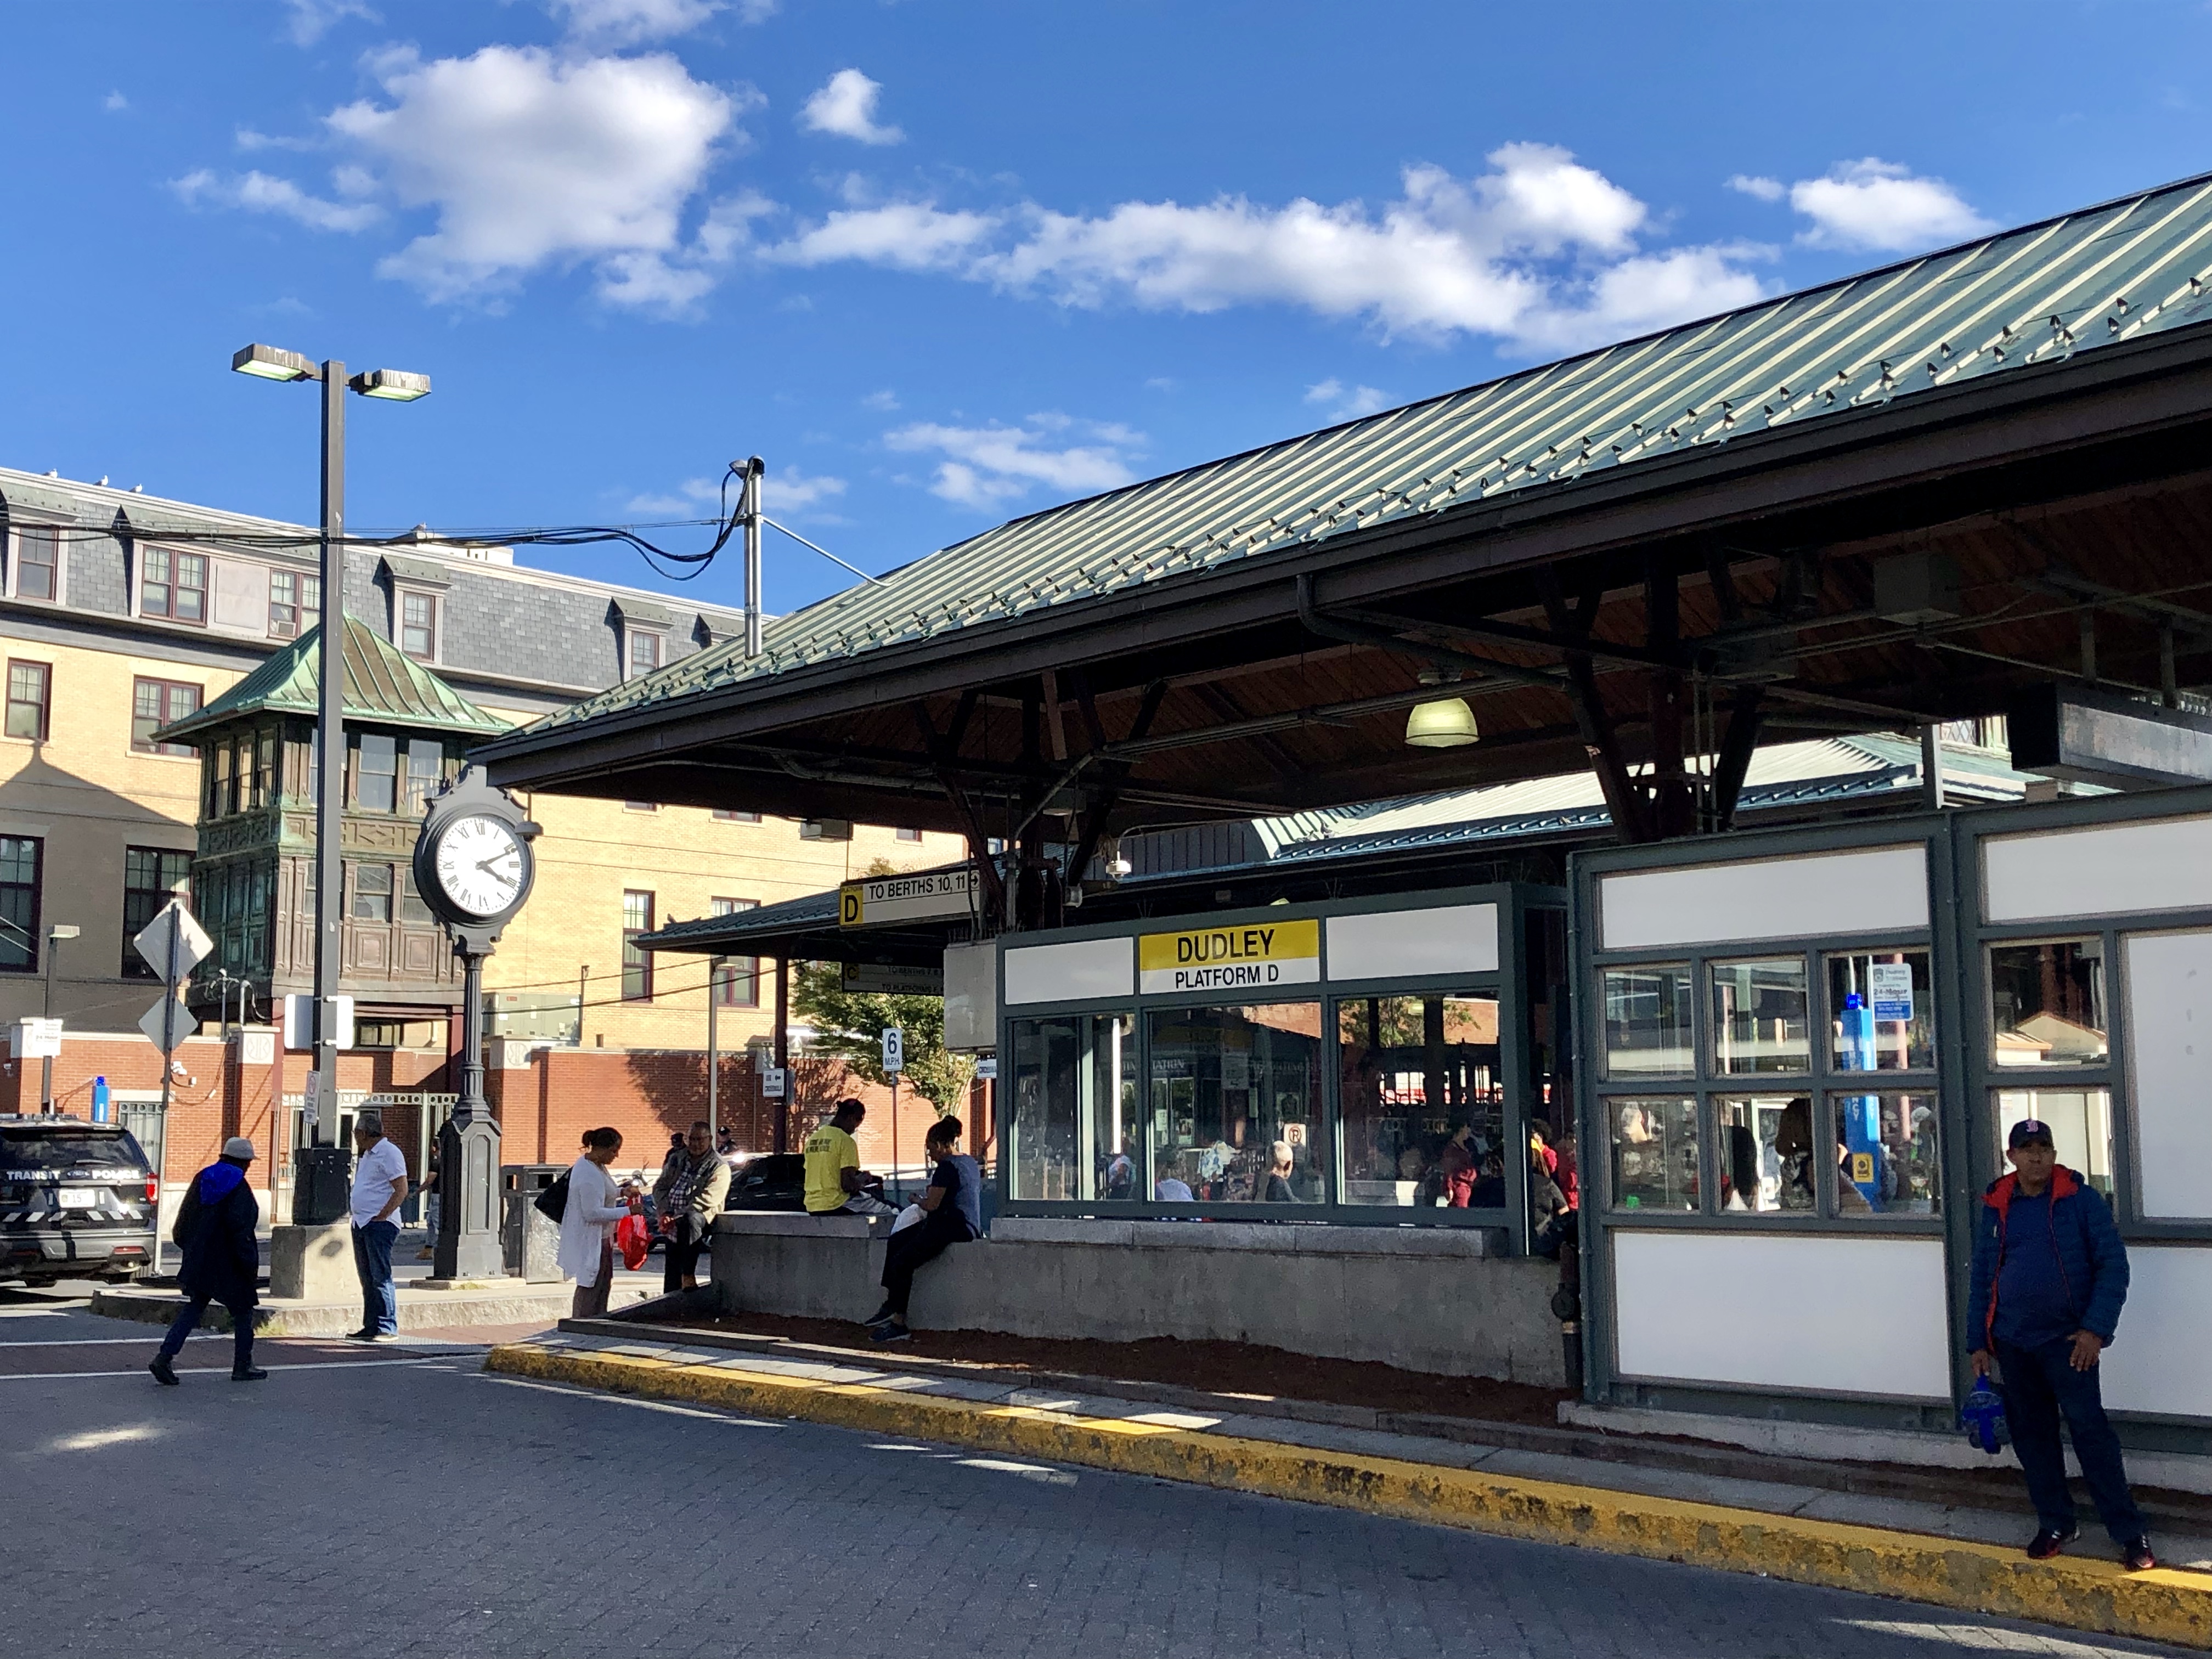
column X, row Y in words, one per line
column 479, row 864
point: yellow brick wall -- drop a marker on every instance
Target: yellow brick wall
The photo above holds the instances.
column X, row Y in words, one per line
column 88, row 797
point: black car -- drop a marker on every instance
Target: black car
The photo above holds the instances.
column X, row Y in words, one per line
column 77, row 1200
column 774, row 1181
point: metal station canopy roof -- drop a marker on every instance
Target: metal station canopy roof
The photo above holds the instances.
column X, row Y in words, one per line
column 1884, row 501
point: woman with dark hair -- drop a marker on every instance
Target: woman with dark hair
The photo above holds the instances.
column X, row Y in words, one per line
column 951, row 1213
column 588, row 1225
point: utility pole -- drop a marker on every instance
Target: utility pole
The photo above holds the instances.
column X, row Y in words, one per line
column 330, row 748
column 749, row 509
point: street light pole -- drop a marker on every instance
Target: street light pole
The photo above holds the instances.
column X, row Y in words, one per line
column 391, row 385
column 55, row 935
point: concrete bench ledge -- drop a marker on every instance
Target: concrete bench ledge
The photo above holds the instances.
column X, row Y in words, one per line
column 784, row 1224
column 1305, row 1239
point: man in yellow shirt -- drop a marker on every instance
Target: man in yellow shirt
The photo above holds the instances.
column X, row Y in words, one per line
column 835, row 1183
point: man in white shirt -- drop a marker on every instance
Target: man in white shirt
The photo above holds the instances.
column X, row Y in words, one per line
column 379, row 1186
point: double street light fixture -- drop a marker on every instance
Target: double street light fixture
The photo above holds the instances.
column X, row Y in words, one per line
column 266, row 362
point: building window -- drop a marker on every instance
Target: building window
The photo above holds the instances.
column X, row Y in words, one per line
column 418, row 626
column 426, row 770
column 647, row 652
column 38, row 563
column 172, row 585
column 296, row 603
column 29, row 688
column 722, row 816
column 222, row 799
column 20, row 859
column 264, row 770
column 414, row 911
column 376, row 773
column 637, row 965
column 641, row 806
column 372, row 892
column 737, row 979
column 399, row 1034
column 826, row 829
column 152, row 875
column 908, row 835
column 154, row 704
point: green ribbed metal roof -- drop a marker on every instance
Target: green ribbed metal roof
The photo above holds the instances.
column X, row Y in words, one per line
column 2030, row 295
column 383, row 686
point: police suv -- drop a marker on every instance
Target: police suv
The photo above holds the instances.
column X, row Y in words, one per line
column 77, row 1200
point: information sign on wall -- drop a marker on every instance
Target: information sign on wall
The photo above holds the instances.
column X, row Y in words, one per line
column 1889, row 990
column 1256, row 956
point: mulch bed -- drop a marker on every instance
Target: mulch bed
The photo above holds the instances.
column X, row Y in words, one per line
column 1226, row 1368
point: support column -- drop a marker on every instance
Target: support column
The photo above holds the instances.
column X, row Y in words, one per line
column 783, row 1052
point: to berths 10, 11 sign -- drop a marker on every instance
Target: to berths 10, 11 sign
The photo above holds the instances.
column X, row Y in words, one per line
column 932, row 893
column 1256, row 956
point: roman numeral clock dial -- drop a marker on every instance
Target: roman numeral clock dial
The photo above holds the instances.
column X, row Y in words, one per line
column 479, row 865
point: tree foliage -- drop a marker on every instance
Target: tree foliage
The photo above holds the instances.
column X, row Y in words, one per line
column 850, row 1025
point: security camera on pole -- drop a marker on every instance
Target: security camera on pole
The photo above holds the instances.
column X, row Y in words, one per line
column 473, row 863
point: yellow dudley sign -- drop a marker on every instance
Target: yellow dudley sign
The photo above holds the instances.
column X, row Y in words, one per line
column 1255, row 958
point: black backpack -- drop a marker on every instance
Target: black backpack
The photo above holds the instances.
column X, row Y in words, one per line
column 553, row 1202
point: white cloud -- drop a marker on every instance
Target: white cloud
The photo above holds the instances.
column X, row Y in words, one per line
column 114, row 103
column 312, row 20
column 784, row 490
column 258, row 192
column 626, row 23
column 532, row 161
column 248, row 140
column 1346, row 402
column 1875, row 205
column 846, row 106
column 984, row 465
column 1766, row 189
column 882, row 401
column 1529, row 252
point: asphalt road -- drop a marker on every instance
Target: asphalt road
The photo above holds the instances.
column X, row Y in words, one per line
column 375, row 1501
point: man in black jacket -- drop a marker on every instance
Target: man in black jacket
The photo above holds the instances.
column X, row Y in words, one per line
column 215, row 1229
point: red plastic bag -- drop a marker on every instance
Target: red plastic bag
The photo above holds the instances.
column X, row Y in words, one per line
column 633, row 1241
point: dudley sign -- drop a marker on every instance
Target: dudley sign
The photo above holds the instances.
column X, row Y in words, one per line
column 1256, row 957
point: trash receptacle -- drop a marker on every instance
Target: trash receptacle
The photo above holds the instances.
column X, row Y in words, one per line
column 529, row 1240
column 321, row 1178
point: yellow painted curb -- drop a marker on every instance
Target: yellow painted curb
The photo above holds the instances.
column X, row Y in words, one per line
column 2160, row 1605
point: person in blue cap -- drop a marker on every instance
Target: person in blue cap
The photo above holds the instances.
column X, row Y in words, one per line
column 2050, row 1278
column 215, row 1229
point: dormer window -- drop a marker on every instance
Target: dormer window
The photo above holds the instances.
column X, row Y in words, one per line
column 38, row 563
column 648, row 651
column 172, row 585
column 418, row 626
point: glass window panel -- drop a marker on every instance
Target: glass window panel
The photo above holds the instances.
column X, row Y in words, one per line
column 1649, row 1031
column 1654, row 1146
column 1073, row 1119
column 153, row 581
column 226, row 799
column 636, row 962
column 192, row 587
column 283, row 604
column 38, row 559
column 1764, row 1154
column 737, row 979
column 372, row 892
column 2080, row 1123
column 27, row 700
column 151, row 876
column 1882, row 1014
column 2047, row 1003
column 418, row 625
column 1760, row 1017
column 1236, row 1104
column 19, row 857
column 1422, row 1109
column 413, row 909
column 426, row 770
column 376, row 777
column 1885, row 1155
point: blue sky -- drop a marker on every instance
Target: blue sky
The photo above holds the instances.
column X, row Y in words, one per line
column 941, row 263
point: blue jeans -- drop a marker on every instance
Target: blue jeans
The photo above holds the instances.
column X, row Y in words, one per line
column 241, row 1329
column 2039, row 1384
column 372, row 1261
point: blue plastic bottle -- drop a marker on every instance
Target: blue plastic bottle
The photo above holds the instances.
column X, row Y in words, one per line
column 99, row 1100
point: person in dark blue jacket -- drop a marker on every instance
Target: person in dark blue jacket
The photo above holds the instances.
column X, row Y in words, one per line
column 2050, row 1278
column 216, row 1227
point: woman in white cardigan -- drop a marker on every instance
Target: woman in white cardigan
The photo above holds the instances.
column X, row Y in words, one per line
column 588, row 1225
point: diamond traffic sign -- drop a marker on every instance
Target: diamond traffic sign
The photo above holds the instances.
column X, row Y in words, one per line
column 167, row 1024
column 174, row 943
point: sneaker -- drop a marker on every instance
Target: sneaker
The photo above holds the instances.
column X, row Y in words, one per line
column 892, row 1331
column 2047, row 1543
column 250, row 1374
column 364, row 1334
column 883, row 1316
column 2138, row 1556
column 164, row 1372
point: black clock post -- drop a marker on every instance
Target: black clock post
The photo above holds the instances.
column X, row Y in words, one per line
column 467, row 1247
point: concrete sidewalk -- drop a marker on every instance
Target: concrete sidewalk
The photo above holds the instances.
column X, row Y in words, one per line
column 496, row 1302
column 1958, row 1556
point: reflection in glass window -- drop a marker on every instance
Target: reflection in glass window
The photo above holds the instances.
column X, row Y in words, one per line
column 1655, row 1154
column 2047, row 1004
column 1764, row 1154
column 2080, row 1123
column 1760, row 1017
column 1886, row 1161
column 1648, row 1028
column 1422, row 1111
column 1072, row 1124
column 1236, row 1104
column 1881, row 1016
